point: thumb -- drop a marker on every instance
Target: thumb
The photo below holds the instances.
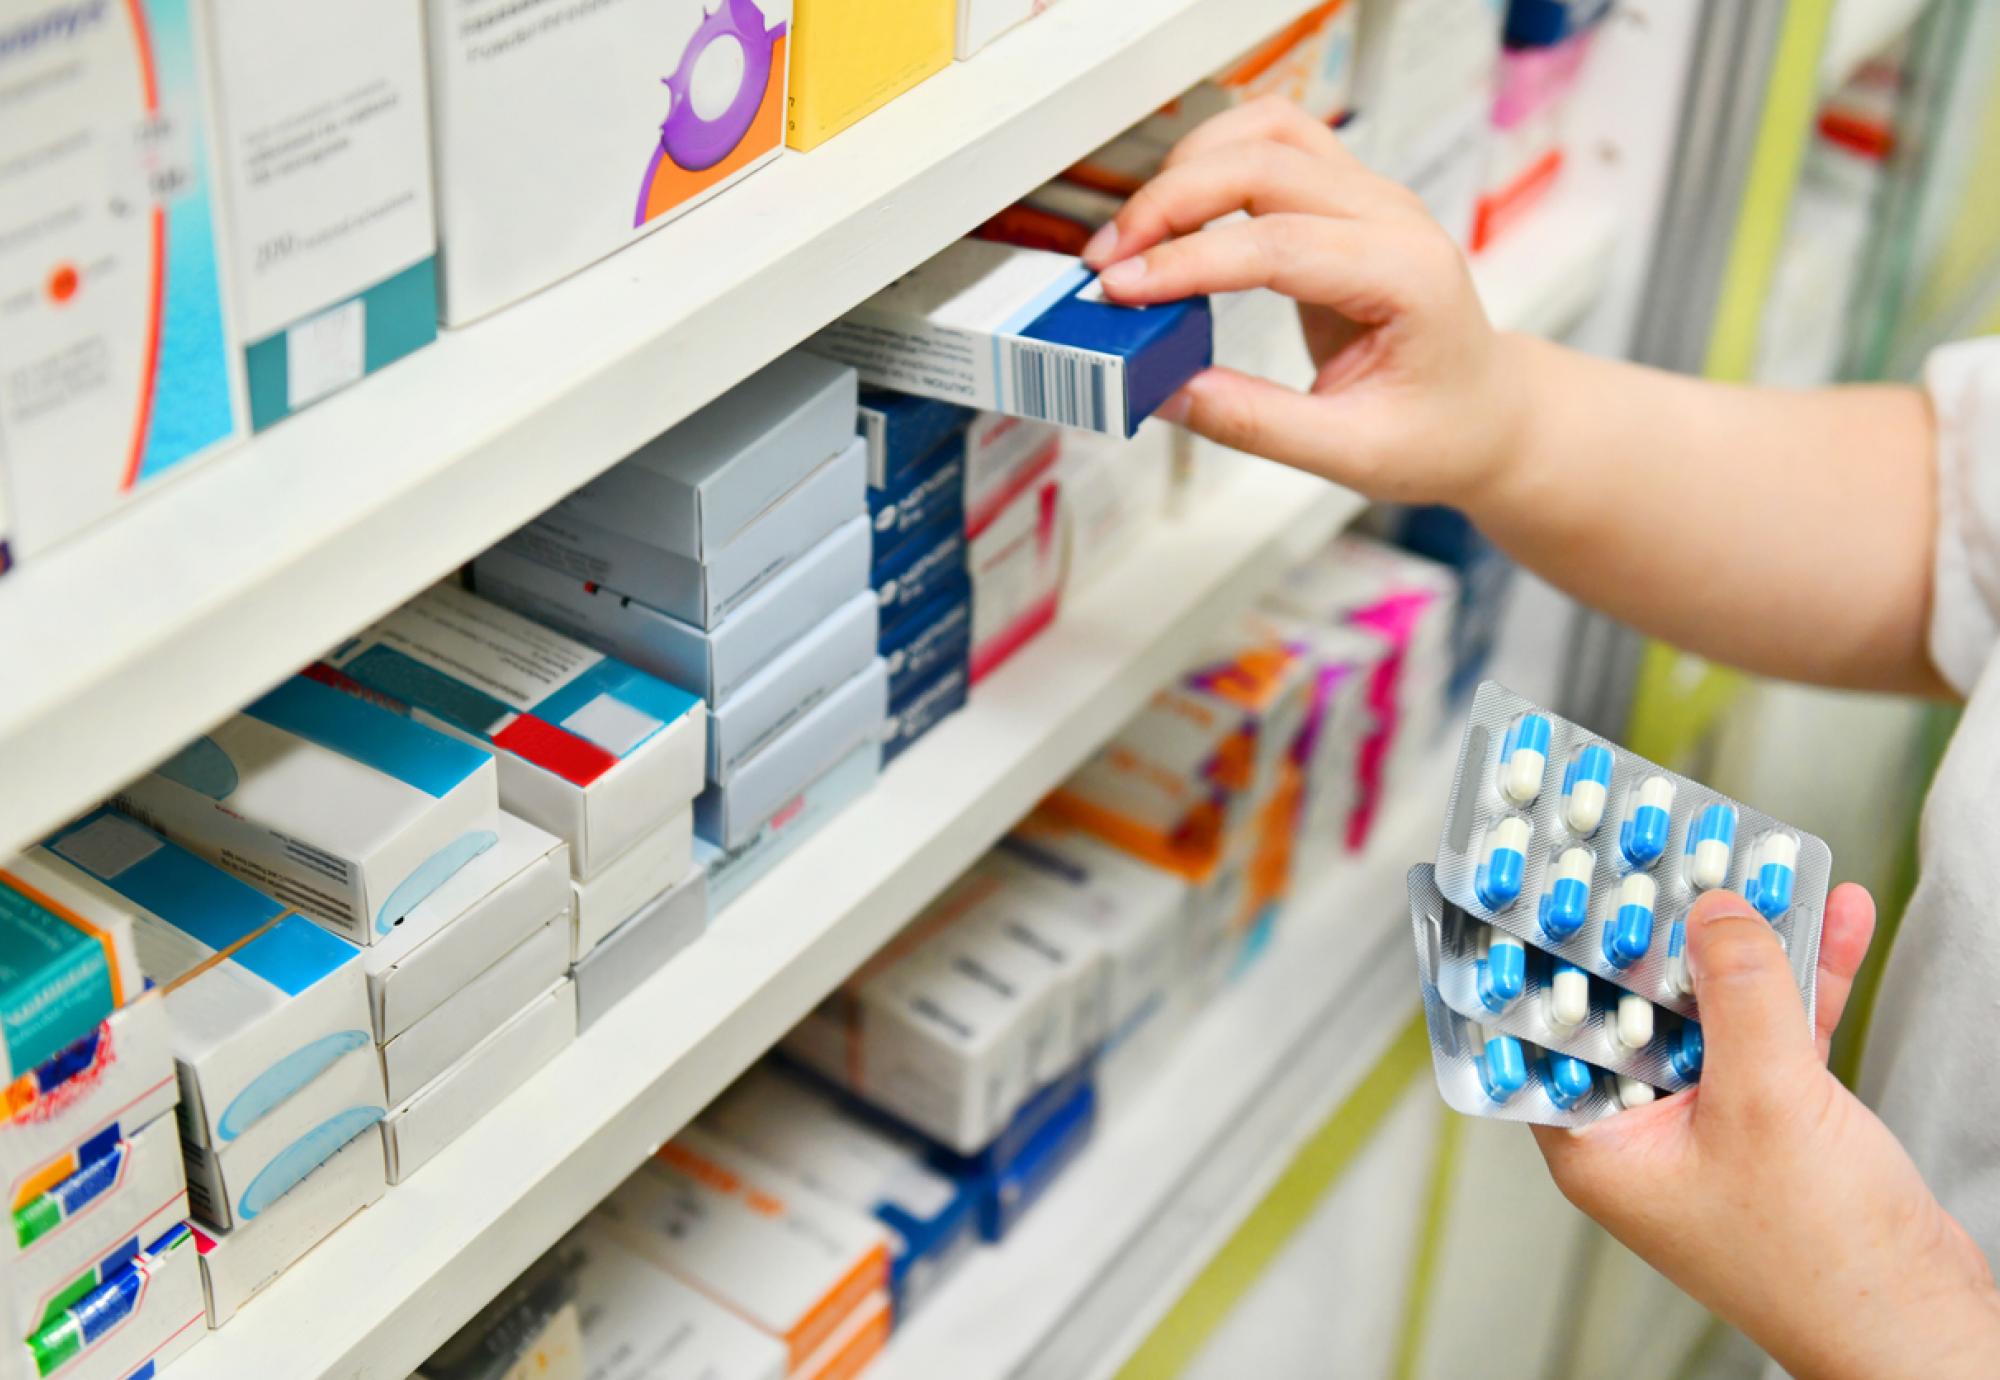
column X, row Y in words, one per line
column 1250, row 414
column 1756, row 1039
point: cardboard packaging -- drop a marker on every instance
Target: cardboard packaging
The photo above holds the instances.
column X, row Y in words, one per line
column 236, row 1265
column 731, row 871
column 696, row 590
column 649, row 867
column 344, row 810
column 444, row 1108
column 613, row 122
column 1016, row 1182
column 919, row 646
column 66, row 959
column 730, row 814
column 928, row 567
column 460, row 930
column 923, row 708
column 826, row 657
column 712, row 663
column 588, row 748
column 115, row 1080
column 792, row 1263
column 982, row 21
column 933, row 496
column 144, row 1316
column 471, row 1014
column 1004, row 456
column 323, row 154
column 640, row 947
column 852, row 57
column 1024, row 332
column 118, row 364
column 532, row 1330
column 1112, row 495
column 904, row 432
column 854, row 1345
column 1016, row 564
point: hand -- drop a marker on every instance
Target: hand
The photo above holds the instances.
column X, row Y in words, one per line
column 1769, row 1192
column 1415, row 399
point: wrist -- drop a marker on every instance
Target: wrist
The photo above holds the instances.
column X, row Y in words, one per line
column 1502, row 478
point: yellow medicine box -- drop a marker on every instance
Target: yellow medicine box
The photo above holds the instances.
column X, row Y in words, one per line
column 852, row 57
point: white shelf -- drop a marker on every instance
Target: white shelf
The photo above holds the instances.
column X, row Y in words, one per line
column 1167, row 1179
column 1858, row 31
column 120, row 645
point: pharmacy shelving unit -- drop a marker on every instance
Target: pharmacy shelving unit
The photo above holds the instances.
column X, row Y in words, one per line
column 1860, row 29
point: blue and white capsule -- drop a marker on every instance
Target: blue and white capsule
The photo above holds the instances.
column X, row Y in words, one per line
column 1503, row 859
column 1633, row 1030
column 1774, row 865
column 1628, row 933
column 1680, row 977
column 1568, row 999
column 1524, row 757
column 1633, row 1093
column 1642, row 834
column 1685, row 1056
column 1565, row 903
column 1711, row 839
column 1586, row 786
column 1503, row 1065
column 1568, row 1080
column 1502, row 967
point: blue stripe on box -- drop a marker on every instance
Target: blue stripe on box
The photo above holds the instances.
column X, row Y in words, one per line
column 421, row 758
column 402, row 677
column 1163, row 346
column 629, row 686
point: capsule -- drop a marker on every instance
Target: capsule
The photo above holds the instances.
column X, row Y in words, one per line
column 1680, row 977
column 1502, row 861
column 1568, row 1080
column 1566, row 898
column 1633, row 1030
column 1586, row 783
column 1524, row 756
column 1686, row 1053
column 1633, row 1093
column 1503, row 1066
column 1502, row 968
column 1569, row 996
column 1642, row 835
column 1629, row 931
column 1774, row 866
column 1710, row 841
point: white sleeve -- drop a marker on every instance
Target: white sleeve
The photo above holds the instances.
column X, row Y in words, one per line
column 1964, row 385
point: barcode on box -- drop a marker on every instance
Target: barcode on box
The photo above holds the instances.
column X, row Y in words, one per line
column 1053, row 384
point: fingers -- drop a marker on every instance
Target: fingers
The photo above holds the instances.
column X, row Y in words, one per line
column 1596, row 1165
column 1260, row 178
column 1843, row 944
column 1263, row 418
column 1753, row 1023
column 1351, row 266
column 1269, row 118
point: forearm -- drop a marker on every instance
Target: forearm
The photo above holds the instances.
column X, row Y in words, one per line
column 1785, row 533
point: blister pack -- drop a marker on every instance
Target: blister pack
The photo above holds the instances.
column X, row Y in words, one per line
column 1595, row 854
column 1489, row 976
column 1483, row 1071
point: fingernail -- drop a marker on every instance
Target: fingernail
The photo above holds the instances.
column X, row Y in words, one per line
column 1176, row 408
column 1102, row 243
column 1123, row 277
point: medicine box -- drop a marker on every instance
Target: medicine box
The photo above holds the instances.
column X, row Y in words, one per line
column 693, row 489
column 630, row 1304
column 559, row 143
column 729, row 814
column 640, row 947
column 793, row 1125
column 927, row 568
column 1016, row 564
column 1112, row 493
column 932, row 497
column 323, row 147
column 855, row 1344
column 923, row 708
column 851, row 57
column 1309, row 62
column 338, row 807
column 116, row 1079
column 982, row 21
column 144, row 1316
column 648, row 868
column 475, row 1011
column 732, row 870
column 1025, row 332
column 447, row 1106
column 703, row 592
column 66, row 959
column 590, row 749
column 118, row 364
column 823, row 658
column 1004, row 456
column 530, row 1330
column 712, row 663
column 791, row 1262
column 260, row 1002
column 1016, row 1183
column 924, row 641
column 75, row 1231
column 487, row 907
column 904, row 432
column 236, row 1265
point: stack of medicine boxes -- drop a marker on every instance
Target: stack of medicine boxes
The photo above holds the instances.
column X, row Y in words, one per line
column 1013, row 532
column 916, row 504
column 88, row 1148
column 731, row 557
column 599, row 764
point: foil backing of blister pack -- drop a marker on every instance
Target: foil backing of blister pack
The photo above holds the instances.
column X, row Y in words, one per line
column 1476, row 803
column 1447, row 958
column 1458, row 1058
